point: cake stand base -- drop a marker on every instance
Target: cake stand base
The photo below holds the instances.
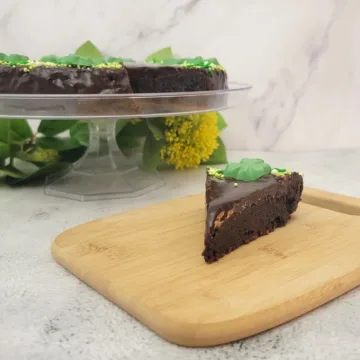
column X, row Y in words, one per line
column 104, row 172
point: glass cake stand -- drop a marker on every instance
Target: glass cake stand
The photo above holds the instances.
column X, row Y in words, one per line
column 104, row 172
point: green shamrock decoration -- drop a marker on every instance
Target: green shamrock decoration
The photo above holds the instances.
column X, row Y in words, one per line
column 247, row 170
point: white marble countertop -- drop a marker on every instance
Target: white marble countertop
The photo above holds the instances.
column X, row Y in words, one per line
column 46, row 313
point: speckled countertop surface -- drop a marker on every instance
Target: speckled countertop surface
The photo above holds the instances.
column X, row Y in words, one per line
column 47, row 314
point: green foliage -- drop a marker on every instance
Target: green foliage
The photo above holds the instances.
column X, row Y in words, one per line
column 11, row 171
column 55, row 127
column 26, row 157
column 151, row 152
column 157, row 128
column 221, row 123
column 79, row 133
column 219, row 155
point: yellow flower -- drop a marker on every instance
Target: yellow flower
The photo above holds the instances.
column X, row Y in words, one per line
column 190, row 139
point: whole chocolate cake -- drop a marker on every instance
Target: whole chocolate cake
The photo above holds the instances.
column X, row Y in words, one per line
column 244, row 201
column 73, row 74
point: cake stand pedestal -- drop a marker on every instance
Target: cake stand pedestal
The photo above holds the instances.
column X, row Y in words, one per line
column 104, row 172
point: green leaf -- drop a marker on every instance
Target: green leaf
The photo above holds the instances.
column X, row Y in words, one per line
column 11, row 171
column 15, row 138
column 221, row 123
column 4, row 150
column 162, row 54
column 4, row 130
column 88, row 49
column 120, row 124
column 21, row 128
column 139, row 129
column 13, row 133
column 40, row 174
column 14, row 130
column 218, row 156
column 39, row 156
column 80, row 133
column 127, row 142
column 73, row 155
column 54, row 127
column 151, row 152
column 59, row 144
column 157, row 127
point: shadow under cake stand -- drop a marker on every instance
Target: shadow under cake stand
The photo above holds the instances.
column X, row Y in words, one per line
column 104, row 172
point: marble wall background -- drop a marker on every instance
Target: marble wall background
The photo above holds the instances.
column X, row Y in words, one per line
column 302, row 57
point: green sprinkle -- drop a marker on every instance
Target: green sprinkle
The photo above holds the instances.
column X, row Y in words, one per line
column 77, row 61
column 217, row 173
column 112, row 59
column 197, row 62
column 280, row 172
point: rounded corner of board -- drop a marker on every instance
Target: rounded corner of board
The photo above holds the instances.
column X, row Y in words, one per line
column 62, row 240
column 332, row 201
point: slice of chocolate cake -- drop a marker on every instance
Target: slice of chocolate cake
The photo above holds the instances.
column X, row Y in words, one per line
column 179, row 75
column 173, row 77
column 244, row 201
column 70, row 74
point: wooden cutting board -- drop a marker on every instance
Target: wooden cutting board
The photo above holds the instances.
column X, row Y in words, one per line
column 148, row 262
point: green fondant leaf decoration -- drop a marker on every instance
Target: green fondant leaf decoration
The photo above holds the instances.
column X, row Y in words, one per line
column 16, row 59
column 247, row 170
column 88, row 49
column 213, row 61
column 170, row 61
column 160, row 55
column 112, row 59
column 49, row 58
